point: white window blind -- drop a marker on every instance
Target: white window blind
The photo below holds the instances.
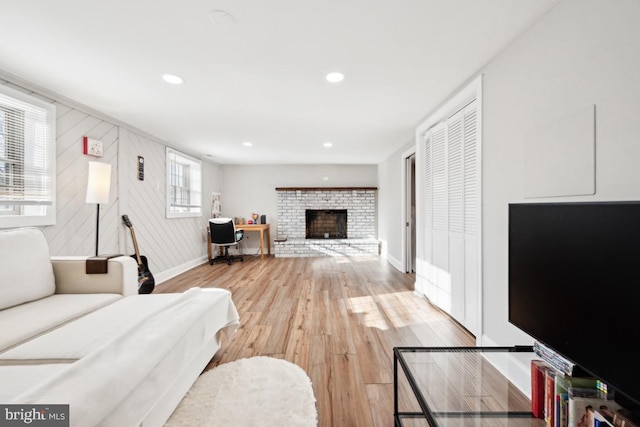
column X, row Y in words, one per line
column 184, row 185
column 27, row 160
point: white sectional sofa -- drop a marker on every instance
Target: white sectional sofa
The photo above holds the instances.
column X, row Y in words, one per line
column 91, row 341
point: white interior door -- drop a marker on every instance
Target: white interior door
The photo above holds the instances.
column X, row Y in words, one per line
column 451, row 218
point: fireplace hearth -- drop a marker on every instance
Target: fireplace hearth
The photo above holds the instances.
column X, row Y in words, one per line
column 326, row 223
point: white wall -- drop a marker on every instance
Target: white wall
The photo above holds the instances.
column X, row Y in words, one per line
column 583, row 52
column 248, row 189
column 391, row 222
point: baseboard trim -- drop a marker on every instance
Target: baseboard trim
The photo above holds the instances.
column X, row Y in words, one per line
column 165, row 275
column 396, row 263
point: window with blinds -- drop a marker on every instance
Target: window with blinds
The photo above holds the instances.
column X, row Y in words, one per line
column 27, row 160
column 184, row 185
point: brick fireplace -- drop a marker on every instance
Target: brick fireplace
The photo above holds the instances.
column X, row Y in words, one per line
column 347, row 221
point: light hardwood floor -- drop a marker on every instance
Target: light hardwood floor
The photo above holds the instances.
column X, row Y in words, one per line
column 338, row 318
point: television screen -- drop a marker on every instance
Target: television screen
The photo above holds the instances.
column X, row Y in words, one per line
column 574, row 285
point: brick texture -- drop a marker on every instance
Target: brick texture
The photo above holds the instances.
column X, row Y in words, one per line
column 361, row 222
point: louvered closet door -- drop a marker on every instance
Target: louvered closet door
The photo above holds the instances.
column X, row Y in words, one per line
column 451, row 215
column 471, row 217
column 455, row 189
column 426, row 243
column 439, row 231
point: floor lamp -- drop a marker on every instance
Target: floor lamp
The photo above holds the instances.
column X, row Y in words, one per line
column 98, row 186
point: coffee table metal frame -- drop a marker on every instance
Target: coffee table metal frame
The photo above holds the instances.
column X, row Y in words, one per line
column 427, row 413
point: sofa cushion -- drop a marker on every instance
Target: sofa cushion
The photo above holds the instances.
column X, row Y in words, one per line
column 26, row 321
column 26, row 269
column 120, row 382
column 77, row 339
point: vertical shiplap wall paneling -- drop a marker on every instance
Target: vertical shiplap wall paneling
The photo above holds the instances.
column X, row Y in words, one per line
column 144, row 199
column 170, row 245
column 75, row 229
column 71, row 185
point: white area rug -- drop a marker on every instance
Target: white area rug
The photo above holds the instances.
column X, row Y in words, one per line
column 255, row 392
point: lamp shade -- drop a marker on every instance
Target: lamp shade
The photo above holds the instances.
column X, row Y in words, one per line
column 99, row 182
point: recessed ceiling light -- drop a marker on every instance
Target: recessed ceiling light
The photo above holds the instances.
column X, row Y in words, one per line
column 328, row 144
column 247, row 144
column 325, row 178
column 173, row 79
column 335, row 77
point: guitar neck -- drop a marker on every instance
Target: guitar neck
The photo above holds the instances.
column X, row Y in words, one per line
column 135, row 246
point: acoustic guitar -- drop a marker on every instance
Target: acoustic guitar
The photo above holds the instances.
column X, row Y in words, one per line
column 146, row 282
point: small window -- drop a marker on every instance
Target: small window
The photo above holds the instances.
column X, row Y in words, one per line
column 27, row 160
column 184, row 185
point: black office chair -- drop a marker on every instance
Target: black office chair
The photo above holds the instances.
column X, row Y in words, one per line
column 224, row 234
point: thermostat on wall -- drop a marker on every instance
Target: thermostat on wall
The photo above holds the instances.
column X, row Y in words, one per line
column 140, row 168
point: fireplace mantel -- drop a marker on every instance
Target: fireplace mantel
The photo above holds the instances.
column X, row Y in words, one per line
column 325, row 188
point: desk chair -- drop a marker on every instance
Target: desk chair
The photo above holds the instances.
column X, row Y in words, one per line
column 224, row 234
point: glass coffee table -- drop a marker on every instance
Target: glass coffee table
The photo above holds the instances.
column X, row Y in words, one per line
column 460, row 386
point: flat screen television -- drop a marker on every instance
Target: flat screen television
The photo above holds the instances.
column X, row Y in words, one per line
column 574, row 285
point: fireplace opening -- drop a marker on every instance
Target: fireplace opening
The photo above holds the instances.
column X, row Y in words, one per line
column 326, row 223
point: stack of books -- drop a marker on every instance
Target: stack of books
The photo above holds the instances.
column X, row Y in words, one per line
column 574, row 401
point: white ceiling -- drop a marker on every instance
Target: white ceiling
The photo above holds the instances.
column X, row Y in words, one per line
column 261, row 78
